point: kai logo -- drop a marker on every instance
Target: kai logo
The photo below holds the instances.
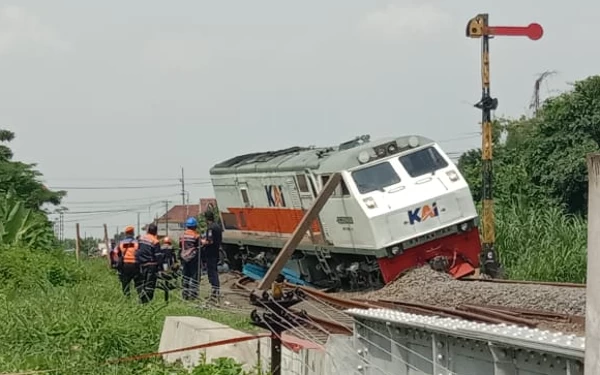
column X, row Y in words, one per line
column 423, row 213
column 275, row 196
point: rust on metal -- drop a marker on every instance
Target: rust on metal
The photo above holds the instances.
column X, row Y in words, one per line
column 344, row 303
column 502, row 281
column 499, row 315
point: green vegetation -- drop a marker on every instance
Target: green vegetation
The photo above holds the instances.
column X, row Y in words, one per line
column 58, row 314
column 540, row 186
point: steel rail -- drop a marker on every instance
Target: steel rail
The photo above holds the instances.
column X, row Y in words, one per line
column 526, row 282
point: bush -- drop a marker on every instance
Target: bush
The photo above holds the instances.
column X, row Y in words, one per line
column 541, row 243
column 21, row 226
column 23, row 269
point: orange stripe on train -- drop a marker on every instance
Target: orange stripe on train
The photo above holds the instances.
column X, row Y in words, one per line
column 279, row 220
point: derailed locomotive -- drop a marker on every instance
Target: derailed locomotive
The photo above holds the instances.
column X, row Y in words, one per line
column 401, row 203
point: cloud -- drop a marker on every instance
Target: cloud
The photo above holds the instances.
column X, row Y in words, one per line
column 18, row 28
column 179, row 52
column 405, row 21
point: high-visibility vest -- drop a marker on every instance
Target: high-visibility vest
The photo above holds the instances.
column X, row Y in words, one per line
column 127, row 250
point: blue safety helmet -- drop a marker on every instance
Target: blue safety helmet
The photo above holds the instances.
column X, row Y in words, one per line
column 191, row 222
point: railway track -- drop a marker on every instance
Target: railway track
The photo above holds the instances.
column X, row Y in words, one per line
column 501, row 281
column 323, row 313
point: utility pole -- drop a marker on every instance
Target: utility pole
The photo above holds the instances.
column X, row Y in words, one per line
column 77, row 241
column 182, row 188
column 478, row 27
column 107, row 242
column 592, row 324
column 166, row 218
column 138, row 223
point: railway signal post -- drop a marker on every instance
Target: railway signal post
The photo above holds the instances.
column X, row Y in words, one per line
column 478, row 28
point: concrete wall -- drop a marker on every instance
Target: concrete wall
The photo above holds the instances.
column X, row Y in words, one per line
column 175, row 229
column 183, row 331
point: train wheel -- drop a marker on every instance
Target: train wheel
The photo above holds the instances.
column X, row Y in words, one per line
column 233, row 257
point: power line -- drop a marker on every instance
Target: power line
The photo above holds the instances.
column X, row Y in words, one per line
column 207, row 179
column 123, row 187
column 117, row 201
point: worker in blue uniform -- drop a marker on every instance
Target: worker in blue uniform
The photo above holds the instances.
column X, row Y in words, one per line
column 211, row 245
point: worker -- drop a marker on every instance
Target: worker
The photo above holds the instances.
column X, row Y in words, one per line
column 189, row 255
column 126, row 263
column 168, row 267
column 211, row 245
column 149, row 246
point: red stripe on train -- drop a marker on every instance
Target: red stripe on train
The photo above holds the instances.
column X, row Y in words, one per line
column 278, row 220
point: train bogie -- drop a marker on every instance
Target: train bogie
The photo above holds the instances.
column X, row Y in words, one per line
column 401, row 203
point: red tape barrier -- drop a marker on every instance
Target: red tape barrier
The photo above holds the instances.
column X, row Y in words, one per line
column 200, row 346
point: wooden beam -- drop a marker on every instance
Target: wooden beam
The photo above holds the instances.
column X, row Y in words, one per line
column 291, row 244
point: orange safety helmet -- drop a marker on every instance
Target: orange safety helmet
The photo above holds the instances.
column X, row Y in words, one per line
column 129, row 229
column 167, row 240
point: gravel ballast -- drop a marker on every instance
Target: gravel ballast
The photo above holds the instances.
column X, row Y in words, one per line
column 424, row 285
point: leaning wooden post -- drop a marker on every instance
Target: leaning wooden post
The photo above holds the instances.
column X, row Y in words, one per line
column 289, row 247
column 592, row 311
column 77, row 241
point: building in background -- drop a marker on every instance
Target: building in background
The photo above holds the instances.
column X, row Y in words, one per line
column 174, row 219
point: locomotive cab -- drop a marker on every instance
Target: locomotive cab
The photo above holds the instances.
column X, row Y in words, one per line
column 418, row 209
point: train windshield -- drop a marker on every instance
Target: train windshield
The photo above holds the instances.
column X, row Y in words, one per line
column 427, row 160
column 375, row 177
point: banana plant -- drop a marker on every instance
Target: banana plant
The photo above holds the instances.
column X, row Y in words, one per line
column 23, row 226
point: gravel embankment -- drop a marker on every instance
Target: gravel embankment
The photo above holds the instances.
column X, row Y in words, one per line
column 424, row 285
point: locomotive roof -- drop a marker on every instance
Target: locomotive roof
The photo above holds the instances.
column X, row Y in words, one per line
column 322, row 159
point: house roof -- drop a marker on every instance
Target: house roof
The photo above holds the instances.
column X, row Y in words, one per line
column 179, row 213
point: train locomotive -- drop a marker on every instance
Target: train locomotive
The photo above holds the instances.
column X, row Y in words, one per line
column 401, row 203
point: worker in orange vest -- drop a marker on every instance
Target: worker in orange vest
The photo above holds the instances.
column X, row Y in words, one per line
column 126, row 261
column 146, row 256
column 189, row 255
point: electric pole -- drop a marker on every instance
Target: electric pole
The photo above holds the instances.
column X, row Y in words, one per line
column 182, row 188
column 166, row 218
column 138, row 223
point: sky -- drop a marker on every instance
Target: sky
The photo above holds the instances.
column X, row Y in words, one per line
column 112, row 98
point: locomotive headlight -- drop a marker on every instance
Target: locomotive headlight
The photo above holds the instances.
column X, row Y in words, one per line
column 370, row 202
column 452, row 175
column 364, row 157
column 464, row 227
column 395, row 250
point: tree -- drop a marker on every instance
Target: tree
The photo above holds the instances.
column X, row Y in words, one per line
column 202, row 221
column 542, row 159
column 23, row 179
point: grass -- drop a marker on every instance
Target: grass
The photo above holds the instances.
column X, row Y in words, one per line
column 541, row 244
column 58, row 314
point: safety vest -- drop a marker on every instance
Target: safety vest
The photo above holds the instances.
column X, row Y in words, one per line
column 190, row 245
column 127, row 250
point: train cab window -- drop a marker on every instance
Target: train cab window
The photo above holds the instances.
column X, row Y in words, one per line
column 427, row 160
column 375, row 177
column 245, row 198
column 341, row 190
column 302, row 184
